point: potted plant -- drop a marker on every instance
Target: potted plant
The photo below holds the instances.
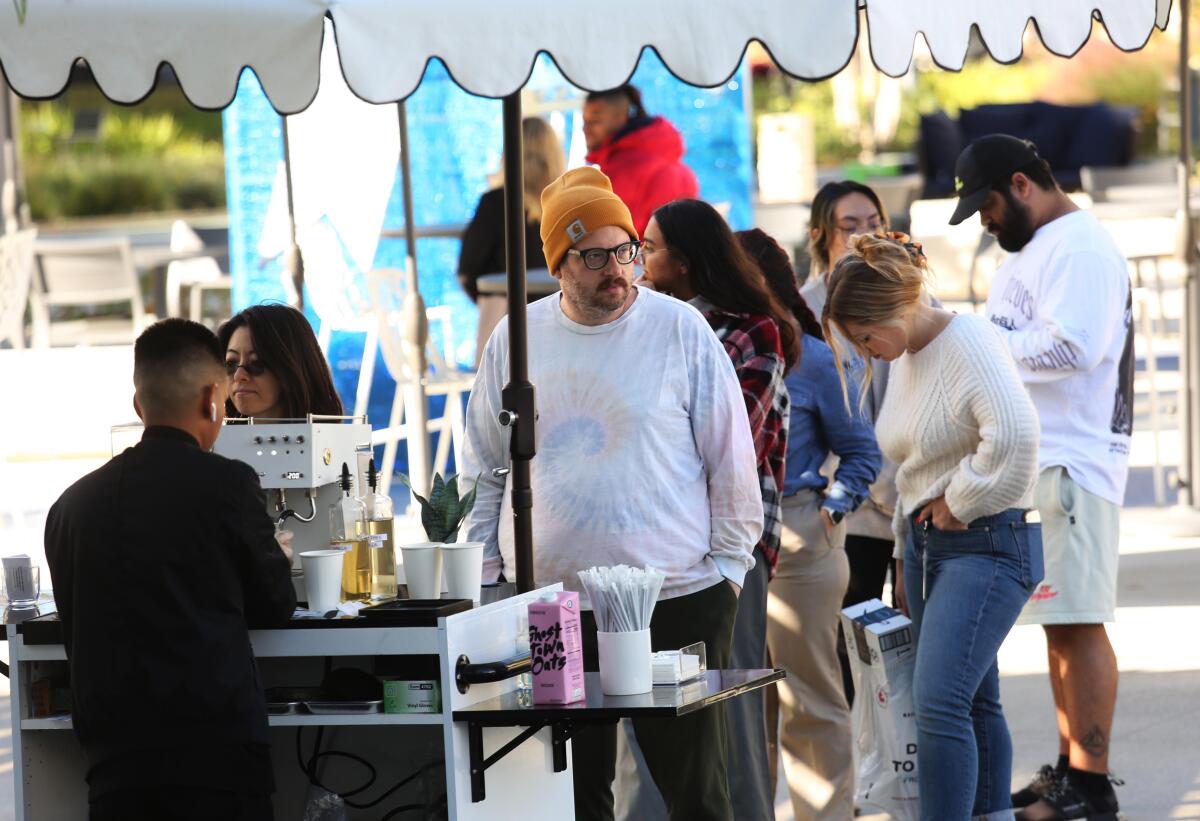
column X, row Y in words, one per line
column 444, row 511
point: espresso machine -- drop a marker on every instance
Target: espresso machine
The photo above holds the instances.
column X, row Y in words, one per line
column 299, row 465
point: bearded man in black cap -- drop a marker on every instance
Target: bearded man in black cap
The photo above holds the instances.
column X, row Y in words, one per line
column 1063, row 297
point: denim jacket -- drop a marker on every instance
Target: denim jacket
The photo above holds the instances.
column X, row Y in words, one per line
column 820, row 424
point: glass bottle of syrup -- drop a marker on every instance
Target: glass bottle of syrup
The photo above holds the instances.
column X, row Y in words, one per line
column 381, row 540
column 348, row 532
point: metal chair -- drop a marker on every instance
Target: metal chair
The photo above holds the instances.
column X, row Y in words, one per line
column 76, row 284
column 16, row 274
column 198, row 275
column 442, row 377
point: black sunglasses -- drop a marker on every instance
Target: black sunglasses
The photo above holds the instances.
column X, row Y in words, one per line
column 252, row 368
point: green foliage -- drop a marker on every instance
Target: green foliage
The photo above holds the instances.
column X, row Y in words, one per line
column 444, row 511
column 92, row 185
column 136, row 163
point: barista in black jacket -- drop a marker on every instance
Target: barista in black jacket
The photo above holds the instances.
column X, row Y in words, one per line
column 162, row 560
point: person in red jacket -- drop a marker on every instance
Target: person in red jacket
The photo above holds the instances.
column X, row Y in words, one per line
column 642, row 155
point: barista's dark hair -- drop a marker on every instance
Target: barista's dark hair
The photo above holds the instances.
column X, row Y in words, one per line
column 171, row 359
column 285, row 344
column 627, row 93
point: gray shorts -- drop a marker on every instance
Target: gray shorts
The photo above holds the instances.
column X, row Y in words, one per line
column 1080, row 537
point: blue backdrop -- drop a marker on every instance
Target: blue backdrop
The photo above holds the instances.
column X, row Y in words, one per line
column 456, row 141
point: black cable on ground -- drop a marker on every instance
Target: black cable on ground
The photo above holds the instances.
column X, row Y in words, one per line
column 309, row 768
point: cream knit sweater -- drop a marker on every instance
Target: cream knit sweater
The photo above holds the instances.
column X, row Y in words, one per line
column 958, row 422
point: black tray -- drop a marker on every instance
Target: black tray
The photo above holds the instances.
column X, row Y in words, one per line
column 413, row 612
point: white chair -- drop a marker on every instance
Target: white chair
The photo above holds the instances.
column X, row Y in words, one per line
column 198, row 274
column 1156, row 179
column 16, row 274
column 442, row 377
column 86, row 275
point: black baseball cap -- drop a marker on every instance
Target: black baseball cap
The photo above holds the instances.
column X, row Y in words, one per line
column 981, row 164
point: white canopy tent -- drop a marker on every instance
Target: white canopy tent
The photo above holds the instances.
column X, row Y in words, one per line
column 490, row 48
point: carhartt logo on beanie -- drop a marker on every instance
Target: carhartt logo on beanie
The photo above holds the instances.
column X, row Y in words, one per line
column 578, row 203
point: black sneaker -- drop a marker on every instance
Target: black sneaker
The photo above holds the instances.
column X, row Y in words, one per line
column 1070, row 803
column 1043, row 781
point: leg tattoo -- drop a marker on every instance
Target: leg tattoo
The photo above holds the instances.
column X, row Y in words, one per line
column 1095, row 742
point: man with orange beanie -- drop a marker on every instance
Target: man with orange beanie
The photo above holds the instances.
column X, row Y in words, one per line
column 644, row 458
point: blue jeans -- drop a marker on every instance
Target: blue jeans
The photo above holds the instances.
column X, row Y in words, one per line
column 965, row 590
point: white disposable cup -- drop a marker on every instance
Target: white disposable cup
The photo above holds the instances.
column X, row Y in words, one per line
column 423, row 569
column 463, row 564
column 625, row 668
column 322, row 578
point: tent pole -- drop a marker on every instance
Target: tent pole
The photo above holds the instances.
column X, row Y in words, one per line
column 416, row 333
column 293, row 261
column 1191, row 326
column 518, row 398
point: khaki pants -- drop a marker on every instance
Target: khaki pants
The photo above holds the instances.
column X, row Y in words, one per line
column 802, row 617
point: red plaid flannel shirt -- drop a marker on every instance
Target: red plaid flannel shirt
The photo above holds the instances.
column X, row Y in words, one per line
column 756, row 349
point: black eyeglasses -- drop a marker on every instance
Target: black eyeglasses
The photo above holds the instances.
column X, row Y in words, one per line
column 596, row 258
column 252, row 368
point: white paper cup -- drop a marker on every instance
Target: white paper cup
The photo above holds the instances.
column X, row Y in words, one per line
column 463, row 565
column 322, row 578
column 423, row 569
column 625, row 668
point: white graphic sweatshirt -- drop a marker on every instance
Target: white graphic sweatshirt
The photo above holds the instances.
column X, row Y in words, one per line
column 1065, row 302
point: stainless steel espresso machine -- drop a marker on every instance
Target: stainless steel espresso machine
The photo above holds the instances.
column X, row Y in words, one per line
column 299, row 464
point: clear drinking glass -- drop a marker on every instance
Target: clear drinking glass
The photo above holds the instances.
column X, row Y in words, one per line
column 22, row 585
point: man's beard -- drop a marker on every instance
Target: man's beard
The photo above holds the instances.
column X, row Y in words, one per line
column 595, row 303
column 1016, row 229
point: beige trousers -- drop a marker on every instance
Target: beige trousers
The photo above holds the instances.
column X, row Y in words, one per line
column 803, row 603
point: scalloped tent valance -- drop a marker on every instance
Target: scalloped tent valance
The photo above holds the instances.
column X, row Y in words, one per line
column 490, row 48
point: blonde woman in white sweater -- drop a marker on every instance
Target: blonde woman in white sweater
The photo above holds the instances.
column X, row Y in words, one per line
column 960, row 426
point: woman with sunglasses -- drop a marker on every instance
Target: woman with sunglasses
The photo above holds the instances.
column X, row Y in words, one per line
column 275, row 366
column 690, row 253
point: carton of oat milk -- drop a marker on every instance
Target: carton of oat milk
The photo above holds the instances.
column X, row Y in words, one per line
column 556, row 648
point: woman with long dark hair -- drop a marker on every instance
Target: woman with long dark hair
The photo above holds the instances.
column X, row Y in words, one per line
column 690, row 252
column 275, row 366
column 812, row 575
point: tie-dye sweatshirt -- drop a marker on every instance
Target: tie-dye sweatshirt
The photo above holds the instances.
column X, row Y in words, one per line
column 644, row 452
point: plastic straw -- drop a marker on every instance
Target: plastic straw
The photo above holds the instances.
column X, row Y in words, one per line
column 622, row 597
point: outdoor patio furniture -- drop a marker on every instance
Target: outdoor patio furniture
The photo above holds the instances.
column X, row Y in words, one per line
column 954, row 252
column 16, row 273
column 1067, row 137
column 442, row 376
column 198, row 274
column 493, row 300
column 76, row 285
column 1144, row 181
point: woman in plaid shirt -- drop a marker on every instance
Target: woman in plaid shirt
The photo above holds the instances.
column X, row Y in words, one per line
column 690, row 252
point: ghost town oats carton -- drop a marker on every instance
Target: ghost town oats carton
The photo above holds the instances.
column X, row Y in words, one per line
column 882, row 647
column 556, row 648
